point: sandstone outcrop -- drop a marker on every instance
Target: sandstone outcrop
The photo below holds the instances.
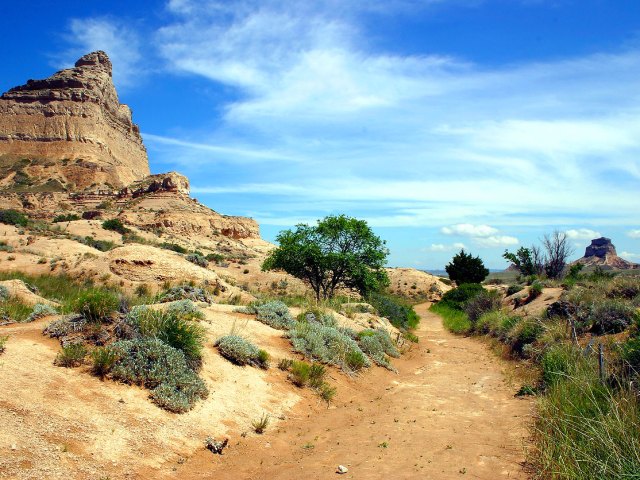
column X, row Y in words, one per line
column 603, row 253
column 69, row 132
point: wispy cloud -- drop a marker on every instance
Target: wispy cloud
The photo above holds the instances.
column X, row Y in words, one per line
column 119, row 40
column 634, row 256
column 440, row 247
column 469, row 230
column 634, row 233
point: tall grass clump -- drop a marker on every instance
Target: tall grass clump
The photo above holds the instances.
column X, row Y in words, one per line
column 174, row 326
column 152, row 364
column 328, row 345
column 585, row 429
column 13, row 309
column 96, row 304
column 453, row 319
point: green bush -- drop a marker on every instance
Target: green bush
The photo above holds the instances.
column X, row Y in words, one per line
column 70, row 217
column 214, row 257
column 465, row 268
column 399, row 313
column 300, row 372
column 241, row 352
column 71, row 355
column 116, row 225
column 457, row 297
column 496, row 323
column 185, row 310
column 4, row 293
column 96, row 304
column 328, row 345
column 101, row 245
column 41, row 310
column 197, row 260
column 151, row 363
column 12, row 217
column 631, row 355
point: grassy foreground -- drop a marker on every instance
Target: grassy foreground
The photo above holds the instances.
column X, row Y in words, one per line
column 588, row 421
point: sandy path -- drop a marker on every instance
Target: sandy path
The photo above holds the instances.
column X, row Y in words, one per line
column 448, row 413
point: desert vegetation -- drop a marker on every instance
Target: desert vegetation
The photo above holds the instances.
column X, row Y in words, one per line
column 584, row 349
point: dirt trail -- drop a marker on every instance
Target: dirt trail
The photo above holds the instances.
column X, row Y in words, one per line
column 448, row 413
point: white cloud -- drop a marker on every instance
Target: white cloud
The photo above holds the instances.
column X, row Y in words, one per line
column 468, row 230
column 634, row 233
column 440, row 247
column 121, row 43
column 582, row 234
column 630, row 255
column 496, row 241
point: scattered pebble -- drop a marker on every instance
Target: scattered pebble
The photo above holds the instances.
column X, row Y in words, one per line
column 14, row 446
column 342, row 469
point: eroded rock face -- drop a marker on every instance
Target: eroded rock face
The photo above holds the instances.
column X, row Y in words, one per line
column 69, row 132
column 603, row 253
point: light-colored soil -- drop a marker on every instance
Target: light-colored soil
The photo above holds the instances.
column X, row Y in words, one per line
column 449, row 413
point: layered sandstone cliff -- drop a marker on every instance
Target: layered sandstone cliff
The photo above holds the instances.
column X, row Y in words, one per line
column 69, row 132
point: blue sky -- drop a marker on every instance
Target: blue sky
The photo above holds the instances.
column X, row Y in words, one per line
column 443, row 123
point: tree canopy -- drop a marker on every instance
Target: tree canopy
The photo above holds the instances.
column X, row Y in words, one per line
column 465, row 268
column 340, row 252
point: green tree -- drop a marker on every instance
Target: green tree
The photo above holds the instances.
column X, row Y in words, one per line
column 526, row 260
column 465, row 268
column 339, row 252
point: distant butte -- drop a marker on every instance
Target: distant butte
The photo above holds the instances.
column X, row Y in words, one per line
column 603, row 253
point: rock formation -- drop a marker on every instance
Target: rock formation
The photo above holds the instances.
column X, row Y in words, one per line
column 69, row 132
column 602, row 253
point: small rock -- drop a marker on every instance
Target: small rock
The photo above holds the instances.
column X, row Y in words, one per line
column 14, row 446
column 342, row 469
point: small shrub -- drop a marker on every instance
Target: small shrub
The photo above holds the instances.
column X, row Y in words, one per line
column 197, row 260
column 41, row 310
column 151, row 363
column 186, row 292
column 3, row 342
column 116, row 225
column 101, row 245
column 399, row 314
column 513, row 289
column 13, row 217
column 523, row 333
column 4, row 293
column 481, row 303
column 174, row 247
column 70, row 217
column 378, row 345
column 142, row 290
column 327, row 392
column 611, row 316
column 214, row 257
column 96, row 304
column 260, row 425
column 535, row 290
column 174, row 327
column 274, row 313
column 300, row 372
column 263, row 359
column 240, row 351
column 285, row 364
column 185, row 310
column 317, row 373
column 71, row 355
column 66, row 325
column 104, row 358
column 328, row 345
column 4, row 247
